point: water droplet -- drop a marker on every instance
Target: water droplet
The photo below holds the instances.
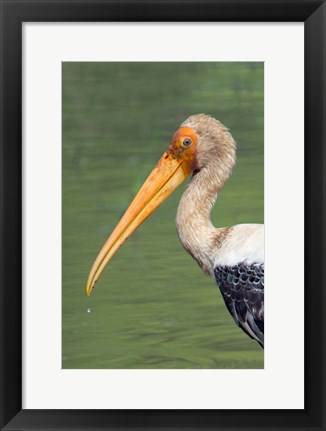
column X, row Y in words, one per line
column 88, row 310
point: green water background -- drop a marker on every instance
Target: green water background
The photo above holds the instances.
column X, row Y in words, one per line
column 153, row 307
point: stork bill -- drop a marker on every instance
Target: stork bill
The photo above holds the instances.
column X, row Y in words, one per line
column 234, row 255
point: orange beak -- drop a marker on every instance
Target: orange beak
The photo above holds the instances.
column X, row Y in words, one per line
column 167, row 175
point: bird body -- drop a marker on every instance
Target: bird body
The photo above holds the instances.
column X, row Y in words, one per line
column 234, row 255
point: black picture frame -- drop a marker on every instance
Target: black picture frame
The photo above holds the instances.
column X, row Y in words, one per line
column 13, row 15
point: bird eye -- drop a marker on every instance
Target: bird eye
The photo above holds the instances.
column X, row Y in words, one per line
column 187, row 142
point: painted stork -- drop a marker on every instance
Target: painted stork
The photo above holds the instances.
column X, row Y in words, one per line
column 234, row 256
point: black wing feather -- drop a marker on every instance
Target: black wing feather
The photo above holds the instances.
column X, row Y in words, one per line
column 242, row 288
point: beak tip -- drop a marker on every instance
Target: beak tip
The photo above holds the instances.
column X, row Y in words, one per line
column 89, row 290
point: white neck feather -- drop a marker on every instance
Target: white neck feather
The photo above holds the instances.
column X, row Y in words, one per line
column 196, row 232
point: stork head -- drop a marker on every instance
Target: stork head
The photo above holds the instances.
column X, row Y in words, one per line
column 214, row 143
column 200, row 142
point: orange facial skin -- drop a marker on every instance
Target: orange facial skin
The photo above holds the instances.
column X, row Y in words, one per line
column 173, row 168
column 186, row 153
